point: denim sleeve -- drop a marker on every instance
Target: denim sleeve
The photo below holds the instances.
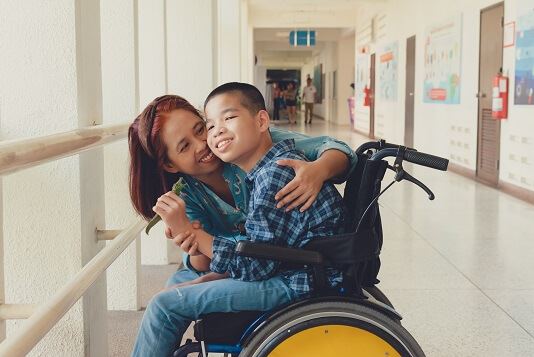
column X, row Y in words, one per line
column 314, row 147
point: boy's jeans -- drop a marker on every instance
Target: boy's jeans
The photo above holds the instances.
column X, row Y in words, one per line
column 169, row 313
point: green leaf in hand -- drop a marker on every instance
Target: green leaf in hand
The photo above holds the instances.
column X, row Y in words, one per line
column 176, row 188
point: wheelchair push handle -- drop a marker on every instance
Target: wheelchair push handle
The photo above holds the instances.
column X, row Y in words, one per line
column 420, row 158
column 378, row 145
column 416, row 157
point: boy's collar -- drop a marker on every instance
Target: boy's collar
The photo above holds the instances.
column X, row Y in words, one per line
column 275, row 151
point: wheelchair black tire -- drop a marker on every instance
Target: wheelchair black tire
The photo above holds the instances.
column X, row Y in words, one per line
column 278, row 330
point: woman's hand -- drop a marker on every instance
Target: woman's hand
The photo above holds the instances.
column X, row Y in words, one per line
column 304, row 187
column 179, row 240
column 186, row 242
column 171, row 209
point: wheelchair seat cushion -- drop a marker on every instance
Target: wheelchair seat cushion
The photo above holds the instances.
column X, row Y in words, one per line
column 224, row 327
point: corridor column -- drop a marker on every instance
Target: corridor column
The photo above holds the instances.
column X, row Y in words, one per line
column 152, row 51
column 51, row 82
column 120, row 96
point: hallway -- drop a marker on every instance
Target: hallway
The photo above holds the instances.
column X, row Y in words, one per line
column 79, row 125
column 463, row 283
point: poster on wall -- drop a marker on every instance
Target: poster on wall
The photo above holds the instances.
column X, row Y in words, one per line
column 362, row 77
column 443, row 62
column 388, row 72
column 318, row 82
column 524, row 53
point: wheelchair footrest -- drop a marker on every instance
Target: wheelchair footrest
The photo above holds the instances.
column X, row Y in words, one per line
column 224, row 327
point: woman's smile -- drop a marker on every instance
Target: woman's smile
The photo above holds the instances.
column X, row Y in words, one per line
column 207, row 157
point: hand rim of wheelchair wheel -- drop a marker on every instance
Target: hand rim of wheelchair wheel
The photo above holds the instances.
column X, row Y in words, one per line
column 366, row 323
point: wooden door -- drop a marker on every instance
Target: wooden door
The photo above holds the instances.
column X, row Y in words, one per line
column 409, row 92
column 490, row 63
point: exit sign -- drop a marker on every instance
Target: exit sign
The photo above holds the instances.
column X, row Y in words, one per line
column 302, row 38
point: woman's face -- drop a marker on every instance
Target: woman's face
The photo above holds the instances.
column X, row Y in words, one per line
column 185, row 138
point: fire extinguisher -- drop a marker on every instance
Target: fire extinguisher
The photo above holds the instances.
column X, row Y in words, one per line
column 366, row 96
column 499, row 103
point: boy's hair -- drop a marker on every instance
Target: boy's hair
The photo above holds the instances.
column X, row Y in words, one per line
column 251, row 97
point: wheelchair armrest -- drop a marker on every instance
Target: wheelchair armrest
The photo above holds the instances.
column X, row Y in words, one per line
column 282, row 254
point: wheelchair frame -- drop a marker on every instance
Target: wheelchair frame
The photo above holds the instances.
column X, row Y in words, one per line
column 356, row 254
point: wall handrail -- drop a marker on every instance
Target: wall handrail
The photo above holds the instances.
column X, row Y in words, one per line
column 49, row 313
column 19, row 154
column 16, row 311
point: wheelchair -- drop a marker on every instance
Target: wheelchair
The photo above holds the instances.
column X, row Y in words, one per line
column 353, row 319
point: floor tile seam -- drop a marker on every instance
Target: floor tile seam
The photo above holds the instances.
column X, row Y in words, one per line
column 458, row 270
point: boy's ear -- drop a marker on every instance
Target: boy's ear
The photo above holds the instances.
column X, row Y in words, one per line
column 264, row 120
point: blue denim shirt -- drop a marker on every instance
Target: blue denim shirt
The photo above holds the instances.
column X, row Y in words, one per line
column 267, row 224
column 222, row 219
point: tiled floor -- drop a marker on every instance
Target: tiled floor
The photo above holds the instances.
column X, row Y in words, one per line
column 460, row 269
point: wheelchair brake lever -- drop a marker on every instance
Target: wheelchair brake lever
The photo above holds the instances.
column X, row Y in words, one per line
column 403, row 175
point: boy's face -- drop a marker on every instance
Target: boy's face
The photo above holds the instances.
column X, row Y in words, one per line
column 233, row 132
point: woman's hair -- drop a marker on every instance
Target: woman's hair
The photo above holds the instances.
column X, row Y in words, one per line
column 148, row 154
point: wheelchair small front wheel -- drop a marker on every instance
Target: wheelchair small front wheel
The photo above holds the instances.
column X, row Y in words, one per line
column 325, row 329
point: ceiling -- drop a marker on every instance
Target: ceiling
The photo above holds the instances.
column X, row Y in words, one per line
column 309, row 5
column 273, row 49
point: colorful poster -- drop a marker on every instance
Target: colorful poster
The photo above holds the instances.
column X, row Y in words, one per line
column 388, row 72
column 363, row 76
column 524, row 54
column 443, row 48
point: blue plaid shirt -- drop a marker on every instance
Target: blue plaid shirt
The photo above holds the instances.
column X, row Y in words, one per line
column 267, row 224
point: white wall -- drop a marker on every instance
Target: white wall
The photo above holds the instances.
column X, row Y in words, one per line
column 50, row 70
column 120, row 97
column 517, row 133
column 328, row 57
column 190, row 49
column 229, row 41
column 153, row 82
column 334, row 56
column 437, row 126
column 345, row 76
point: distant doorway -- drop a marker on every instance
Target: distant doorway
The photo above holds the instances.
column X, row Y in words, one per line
column 409, row 93
column 489, row 129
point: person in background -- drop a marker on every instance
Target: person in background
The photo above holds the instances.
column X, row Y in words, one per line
column 290, row 96
column 277, row 93
column 308, row 94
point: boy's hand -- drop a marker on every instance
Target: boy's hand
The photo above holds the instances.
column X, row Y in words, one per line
column 304, row 187
column 186, row 241
column 171, row 209
column 191, row 249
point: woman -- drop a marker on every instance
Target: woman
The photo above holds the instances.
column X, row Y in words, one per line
column 168, row 140
column 290, row 96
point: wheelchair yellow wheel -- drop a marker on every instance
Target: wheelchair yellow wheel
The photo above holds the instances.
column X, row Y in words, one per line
column 334, row 340
column 332, row 329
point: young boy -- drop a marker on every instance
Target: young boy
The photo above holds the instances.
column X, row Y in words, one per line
column 238, row 132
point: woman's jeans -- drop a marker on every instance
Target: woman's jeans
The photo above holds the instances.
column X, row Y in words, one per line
column 170, row 312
